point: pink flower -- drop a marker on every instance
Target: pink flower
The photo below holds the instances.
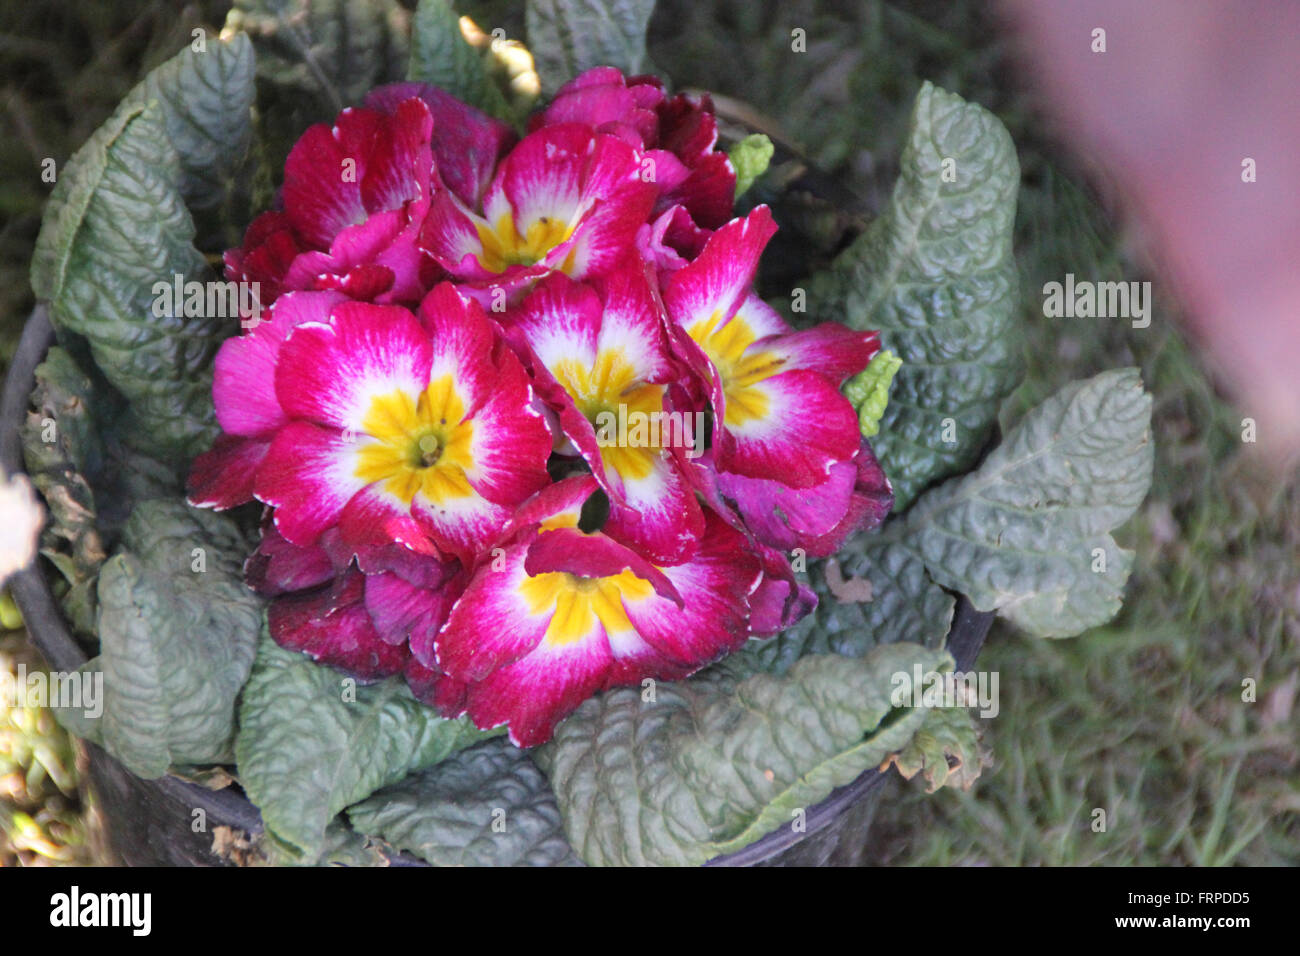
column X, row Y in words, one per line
column 564, row 200
column 786, row 441
column 358, row 611
column 679, row 136
column 402, row 429
column 563, row 614
column 601, row 361
column 356, row 194
column 243, row 391
column 403, row 440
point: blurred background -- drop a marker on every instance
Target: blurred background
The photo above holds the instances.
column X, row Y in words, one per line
column 1143, row 717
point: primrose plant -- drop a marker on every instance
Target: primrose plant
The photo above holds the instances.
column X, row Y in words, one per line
column 476, row 504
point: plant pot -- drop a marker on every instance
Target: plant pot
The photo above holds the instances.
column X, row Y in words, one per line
column 155, row 823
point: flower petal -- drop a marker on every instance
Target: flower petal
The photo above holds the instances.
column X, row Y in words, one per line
column 308, row 476
column 223, row 477
column 243, row 385
column 331, row 373
column 339, row 635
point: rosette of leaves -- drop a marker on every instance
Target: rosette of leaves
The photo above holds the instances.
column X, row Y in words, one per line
column 669, row 773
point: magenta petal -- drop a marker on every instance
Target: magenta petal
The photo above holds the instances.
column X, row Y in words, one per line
column 243, row 386
column 511, row 442
column 721, row 277
column 490, row 625
column 401, row 610
column 318, row 198
column 308, row 476
column 658, row 514
column 278, row 566
column 436, row 689
column 536, row 692
column 466, row 142
column 463, row 343
column 715, row 586
column 372, row 517
column 564, row 498
column 779, row 601
column 785, row 517
column 450, row 236
column 592, row 556
column 330, row 373
column 872, row 499
column 830, row 349
column 807, row 427
column 340, row 636
column 708, row 192
column 224, row 476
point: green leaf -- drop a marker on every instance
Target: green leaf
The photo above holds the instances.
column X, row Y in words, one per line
column 205, row 99
column 899, row 603
column 945, row 751
column 935, row 274
column 335, row 51
column 486, row 806
column 61, row 450
column 569, row 36
column 441, row 56
column 712, row 765
column 115, row 225
column 1028, row 533
column 178, row 629
column 868, row 391
column 311, row 742
column 341, row 846
column 750, row 156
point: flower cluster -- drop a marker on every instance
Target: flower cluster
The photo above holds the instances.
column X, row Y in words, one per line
column 521, row 426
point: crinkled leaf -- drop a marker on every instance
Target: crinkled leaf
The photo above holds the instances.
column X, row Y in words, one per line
column 485, row 806
column 904, row 605
column 115, row 225
column 440, row 55
column 88, row 480
column 333, row 50
column 178, row 630
column 945, row 751
column 61, row 447
column 712, row 765
column 312, row 742
column 751, row 157
column 1028, row 533
column 569, row 36
column 935, row 274
column 341, row 846
column 205, row 99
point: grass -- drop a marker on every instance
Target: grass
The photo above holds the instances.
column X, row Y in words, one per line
column 1143, row 718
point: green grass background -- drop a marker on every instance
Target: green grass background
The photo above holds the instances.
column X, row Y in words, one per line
column 1143, row 718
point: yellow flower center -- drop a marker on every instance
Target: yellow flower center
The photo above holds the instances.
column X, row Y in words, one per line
column 504, row 246
column 599, row 392
column 418, row 443
column 578, row 602
column 728, row 348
